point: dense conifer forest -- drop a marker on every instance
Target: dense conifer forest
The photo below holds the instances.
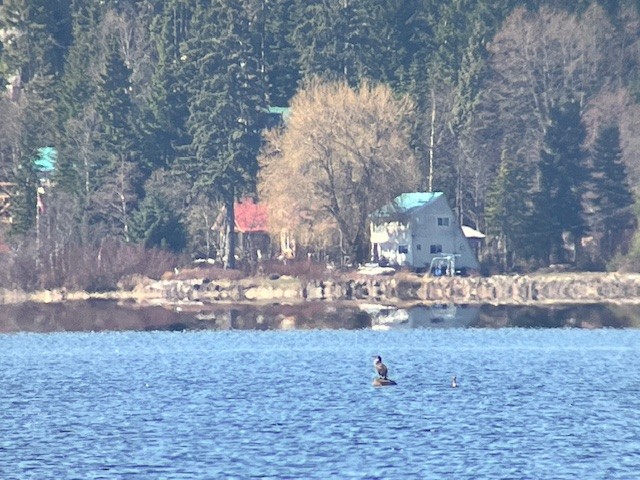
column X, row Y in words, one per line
column 130, row 127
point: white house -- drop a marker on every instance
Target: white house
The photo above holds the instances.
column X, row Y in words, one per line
column 420, row 230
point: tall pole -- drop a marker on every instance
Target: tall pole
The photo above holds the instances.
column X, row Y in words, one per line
column 39, row 191
column 431, row 138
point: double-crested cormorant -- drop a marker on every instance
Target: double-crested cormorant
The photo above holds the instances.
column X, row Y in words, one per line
column 454, row 383
column 380, row 367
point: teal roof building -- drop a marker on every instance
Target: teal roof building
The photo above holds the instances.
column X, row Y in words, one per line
column 46, row 160
column 417, row 229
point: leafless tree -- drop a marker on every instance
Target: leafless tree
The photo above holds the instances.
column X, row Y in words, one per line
column 541, row 57
column 342, row 154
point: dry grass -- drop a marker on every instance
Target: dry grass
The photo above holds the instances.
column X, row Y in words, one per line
column 211, row 272
column 300, row 269
column 303, row 270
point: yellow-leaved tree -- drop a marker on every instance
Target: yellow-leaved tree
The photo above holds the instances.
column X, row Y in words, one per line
column 341, row 154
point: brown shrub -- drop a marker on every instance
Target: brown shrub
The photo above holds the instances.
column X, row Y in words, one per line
column 212, row 272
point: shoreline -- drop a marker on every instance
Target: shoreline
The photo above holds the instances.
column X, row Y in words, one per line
column 400, row 289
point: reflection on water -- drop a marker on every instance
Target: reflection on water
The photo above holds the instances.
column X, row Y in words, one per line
column 560, row 316
column 102, row 315
column 112, row 316
column 423, row 316
column 491, row 316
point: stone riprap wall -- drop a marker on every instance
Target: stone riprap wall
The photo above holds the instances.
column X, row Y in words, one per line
column 391, row 289
column 502, row 290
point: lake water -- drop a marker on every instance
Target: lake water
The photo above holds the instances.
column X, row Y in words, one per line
column 533, row 403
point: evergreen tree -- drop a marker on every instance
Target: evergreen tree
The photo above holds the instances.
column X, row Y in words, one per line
column 226, row 100
column 113, row 98
column 77, row 126
column 116, row 171
column 610, row 196
column 508, row 210
column 279, row 60
column 339, row 39
column 33, row 45
column 419, row 45
column 408, row 25
column 155, row 225
column 77, row 85
column 319, row 42
column 36, row 36
column 165, row 111
column 23, row 200
column 562, row 174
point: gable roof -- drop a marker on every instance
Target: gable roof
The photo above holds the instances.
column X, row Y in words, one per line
column 250, row 217
column 405, row 203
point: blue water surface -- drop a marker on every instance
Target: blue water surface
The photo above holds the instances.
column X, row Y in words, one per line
column 532, row 404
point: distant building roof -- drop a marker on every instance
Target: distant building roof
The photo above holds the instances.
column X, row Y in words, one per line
column 250, row 217
column 284, row 111
column 276, row 116
column 406, row 202
column 46, row 160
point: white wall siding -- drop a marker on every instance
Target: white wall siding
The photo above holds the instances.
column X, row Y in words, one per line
column 431, row 230
column 389, row 238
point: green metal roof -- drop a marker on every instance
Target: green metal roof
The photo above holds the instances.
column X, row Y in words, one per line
column 46, row 160
column 406, row 202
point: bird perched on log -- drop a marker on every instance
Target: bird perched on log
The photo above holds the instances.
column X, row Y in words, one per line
column 380, row 367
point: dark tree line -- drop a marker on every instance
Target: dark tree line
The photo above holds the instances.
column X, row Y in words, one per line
column 156, row 110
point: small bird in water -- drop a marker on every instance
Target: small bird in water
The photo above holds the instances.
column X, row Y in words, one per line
column 380, row 367
column 454, row 383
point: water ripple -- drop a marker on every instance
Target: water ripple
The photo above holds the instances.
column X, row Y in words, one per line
column 531, row 404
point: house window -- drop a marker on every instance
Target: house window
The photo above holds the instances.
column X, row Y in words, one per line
column 436, row 248
column 443, row 221
column 403, row 248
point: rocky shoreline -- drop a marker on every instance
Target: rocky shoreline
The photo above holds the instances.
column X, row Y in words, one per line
column 409, row 288
column 397, row 289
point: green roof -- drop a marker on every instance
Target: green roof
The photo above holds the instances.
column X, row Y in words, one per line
column 46, row 160
column 284, row 112
column 406, row 202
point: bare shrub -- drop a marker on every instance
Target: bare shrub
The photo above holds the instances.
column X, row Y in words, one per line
column 96, row 268
column 20, row 268
column 105, row 264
